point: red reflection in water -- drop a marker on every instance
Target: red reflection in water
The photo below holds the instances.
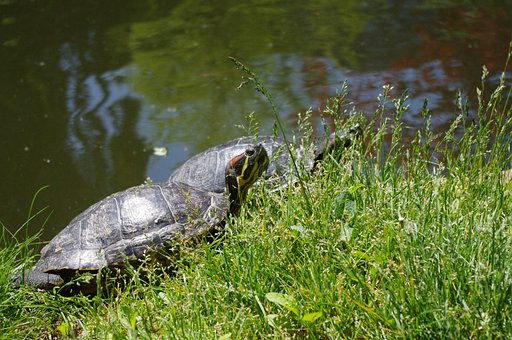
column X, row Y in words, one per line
column 449, row 56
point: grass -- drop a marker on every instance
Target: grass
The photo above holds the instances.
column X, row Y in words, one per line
column 394, row 239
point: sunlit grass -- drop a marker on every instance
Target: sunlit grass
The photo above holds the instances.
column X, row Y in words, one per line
column 405, row 240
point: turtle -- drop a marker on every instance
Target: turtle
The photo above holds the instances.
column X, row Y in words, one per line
column 198, row 169
column 128, row 225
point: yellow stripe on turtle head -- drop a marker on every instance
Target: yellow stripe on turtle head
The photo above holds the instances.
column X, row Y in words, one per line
column 255, row 163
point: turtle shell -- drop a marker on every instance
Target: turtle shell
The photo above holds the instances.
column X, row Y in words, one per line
column 131, row 223
column 206, row 170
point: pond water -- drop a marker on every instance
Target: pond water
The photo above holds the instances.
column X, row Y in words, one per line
column 88, row 89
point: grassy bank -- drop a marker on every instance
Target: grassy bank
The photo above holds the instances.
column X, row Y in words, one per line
column 394, row 239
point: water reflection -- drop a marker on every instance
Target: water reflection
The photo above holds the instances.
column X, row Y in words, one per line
column 425, row 82
column 101, row 108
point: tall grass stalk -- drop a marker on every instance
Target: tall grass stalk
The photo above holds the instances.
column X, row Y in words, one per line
column 253, row 78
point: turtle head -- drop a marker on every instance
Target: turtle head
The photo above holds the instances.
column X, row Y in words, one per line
column 339, row 139
column 242, row 171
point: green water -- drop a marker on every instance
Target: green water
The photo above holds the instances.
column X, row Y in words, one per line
column 88, row 89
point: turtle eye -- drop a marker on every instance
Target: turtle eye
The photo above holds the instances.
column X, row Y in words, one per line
column 249, row 152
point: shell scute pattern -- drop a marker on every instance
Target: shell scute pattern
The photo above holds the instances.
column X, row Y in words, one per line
column 130, row 223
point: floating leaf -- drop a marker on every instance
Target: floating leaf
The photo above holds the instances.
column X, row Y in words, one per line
column 310, row 317
column 160, row 151
column 285, row 301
